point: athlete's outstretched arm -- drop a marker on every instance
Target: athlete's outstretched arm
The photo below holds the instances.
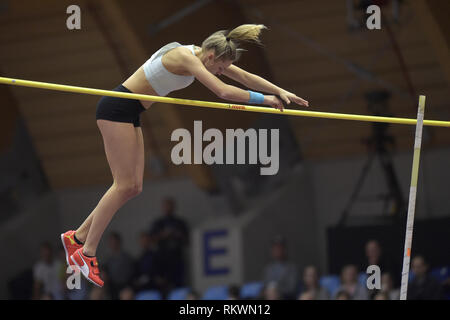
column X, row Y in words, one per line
column 221, row 89
column 258, row 83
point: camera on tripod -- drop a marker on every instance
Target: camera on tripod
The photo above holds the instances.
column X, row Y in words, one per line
column 379, row 144
column 378, row 105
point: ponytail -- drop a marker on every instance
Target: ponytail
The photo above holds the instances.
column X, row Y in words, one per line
column 247, row 32
column 226, row 43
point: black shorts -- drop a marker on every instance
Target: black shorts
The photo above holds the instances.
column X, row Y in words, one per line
column 120, row 109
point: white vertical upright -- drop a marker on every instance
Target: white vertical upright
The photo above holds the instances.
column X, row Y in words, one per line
column 412, row 200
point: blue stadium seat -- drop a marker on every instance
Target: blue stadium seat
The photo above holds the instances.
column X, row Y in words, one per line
column 148, row 295
column 251, row 290
column 178, row 294
column 216, row 293
column 362, row 278
column 441, row 274
column 331, row 283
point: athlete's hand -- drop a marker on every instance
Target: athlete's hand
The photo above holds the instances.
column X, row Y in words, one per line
column 274, row 102
column 289, row 97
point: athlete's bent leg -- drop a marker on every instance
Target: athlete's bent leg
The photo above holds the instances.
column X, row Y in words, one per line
column 122, row 151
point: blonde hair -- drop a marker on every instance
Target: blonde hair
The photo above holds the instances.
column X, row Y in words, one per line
column 226, row 43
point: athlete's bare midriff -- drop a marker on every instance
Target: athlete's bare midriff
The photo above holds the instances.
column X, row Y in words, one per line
column 138, row 83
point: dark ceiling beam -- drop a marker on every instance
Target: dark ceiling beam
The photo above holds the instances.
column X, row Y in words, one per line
column 177, row 16
column 434, row 20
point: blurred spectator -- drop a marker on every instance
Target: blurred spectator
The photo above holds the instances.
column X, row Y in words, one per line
column 126, row 293
column 47, row 280
column 97, row 293
column 350, row 284
column 46, row 296
column 119, row 264
column 271, row 292
column 342, row 295
column 64, row 273
column 281, row 271
column 306, row 295
column 375, row 256
column 145, row 271
column 233, row 293
column 446, row 288
column 311, row 289
column 387, row 286
column 171, row 235
column 192, row 295
column 423, row 286
column 381, row 295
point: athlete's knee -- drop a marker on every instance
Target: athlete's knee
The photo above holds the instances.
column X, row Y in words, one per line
column 128, row 190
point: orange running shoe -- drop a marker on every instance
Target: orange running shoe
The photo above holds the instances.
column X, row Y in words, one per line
column 70, row 245
column 88, row 267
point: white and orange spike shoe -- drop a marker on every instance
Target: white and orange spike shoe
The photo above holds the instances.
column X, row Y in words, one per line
column 70, row 245
column 88, row 267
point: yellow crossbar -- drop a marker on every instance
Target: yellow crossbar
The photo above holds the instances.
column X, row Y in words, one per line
column 218, row 105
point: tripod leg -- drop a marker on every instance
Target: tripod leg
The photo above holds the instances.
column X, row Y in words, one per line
column 395, row 191
column 356, row 189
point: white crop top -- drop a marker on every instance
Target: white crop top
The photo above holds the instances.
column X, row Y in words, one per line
column 161, row 80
